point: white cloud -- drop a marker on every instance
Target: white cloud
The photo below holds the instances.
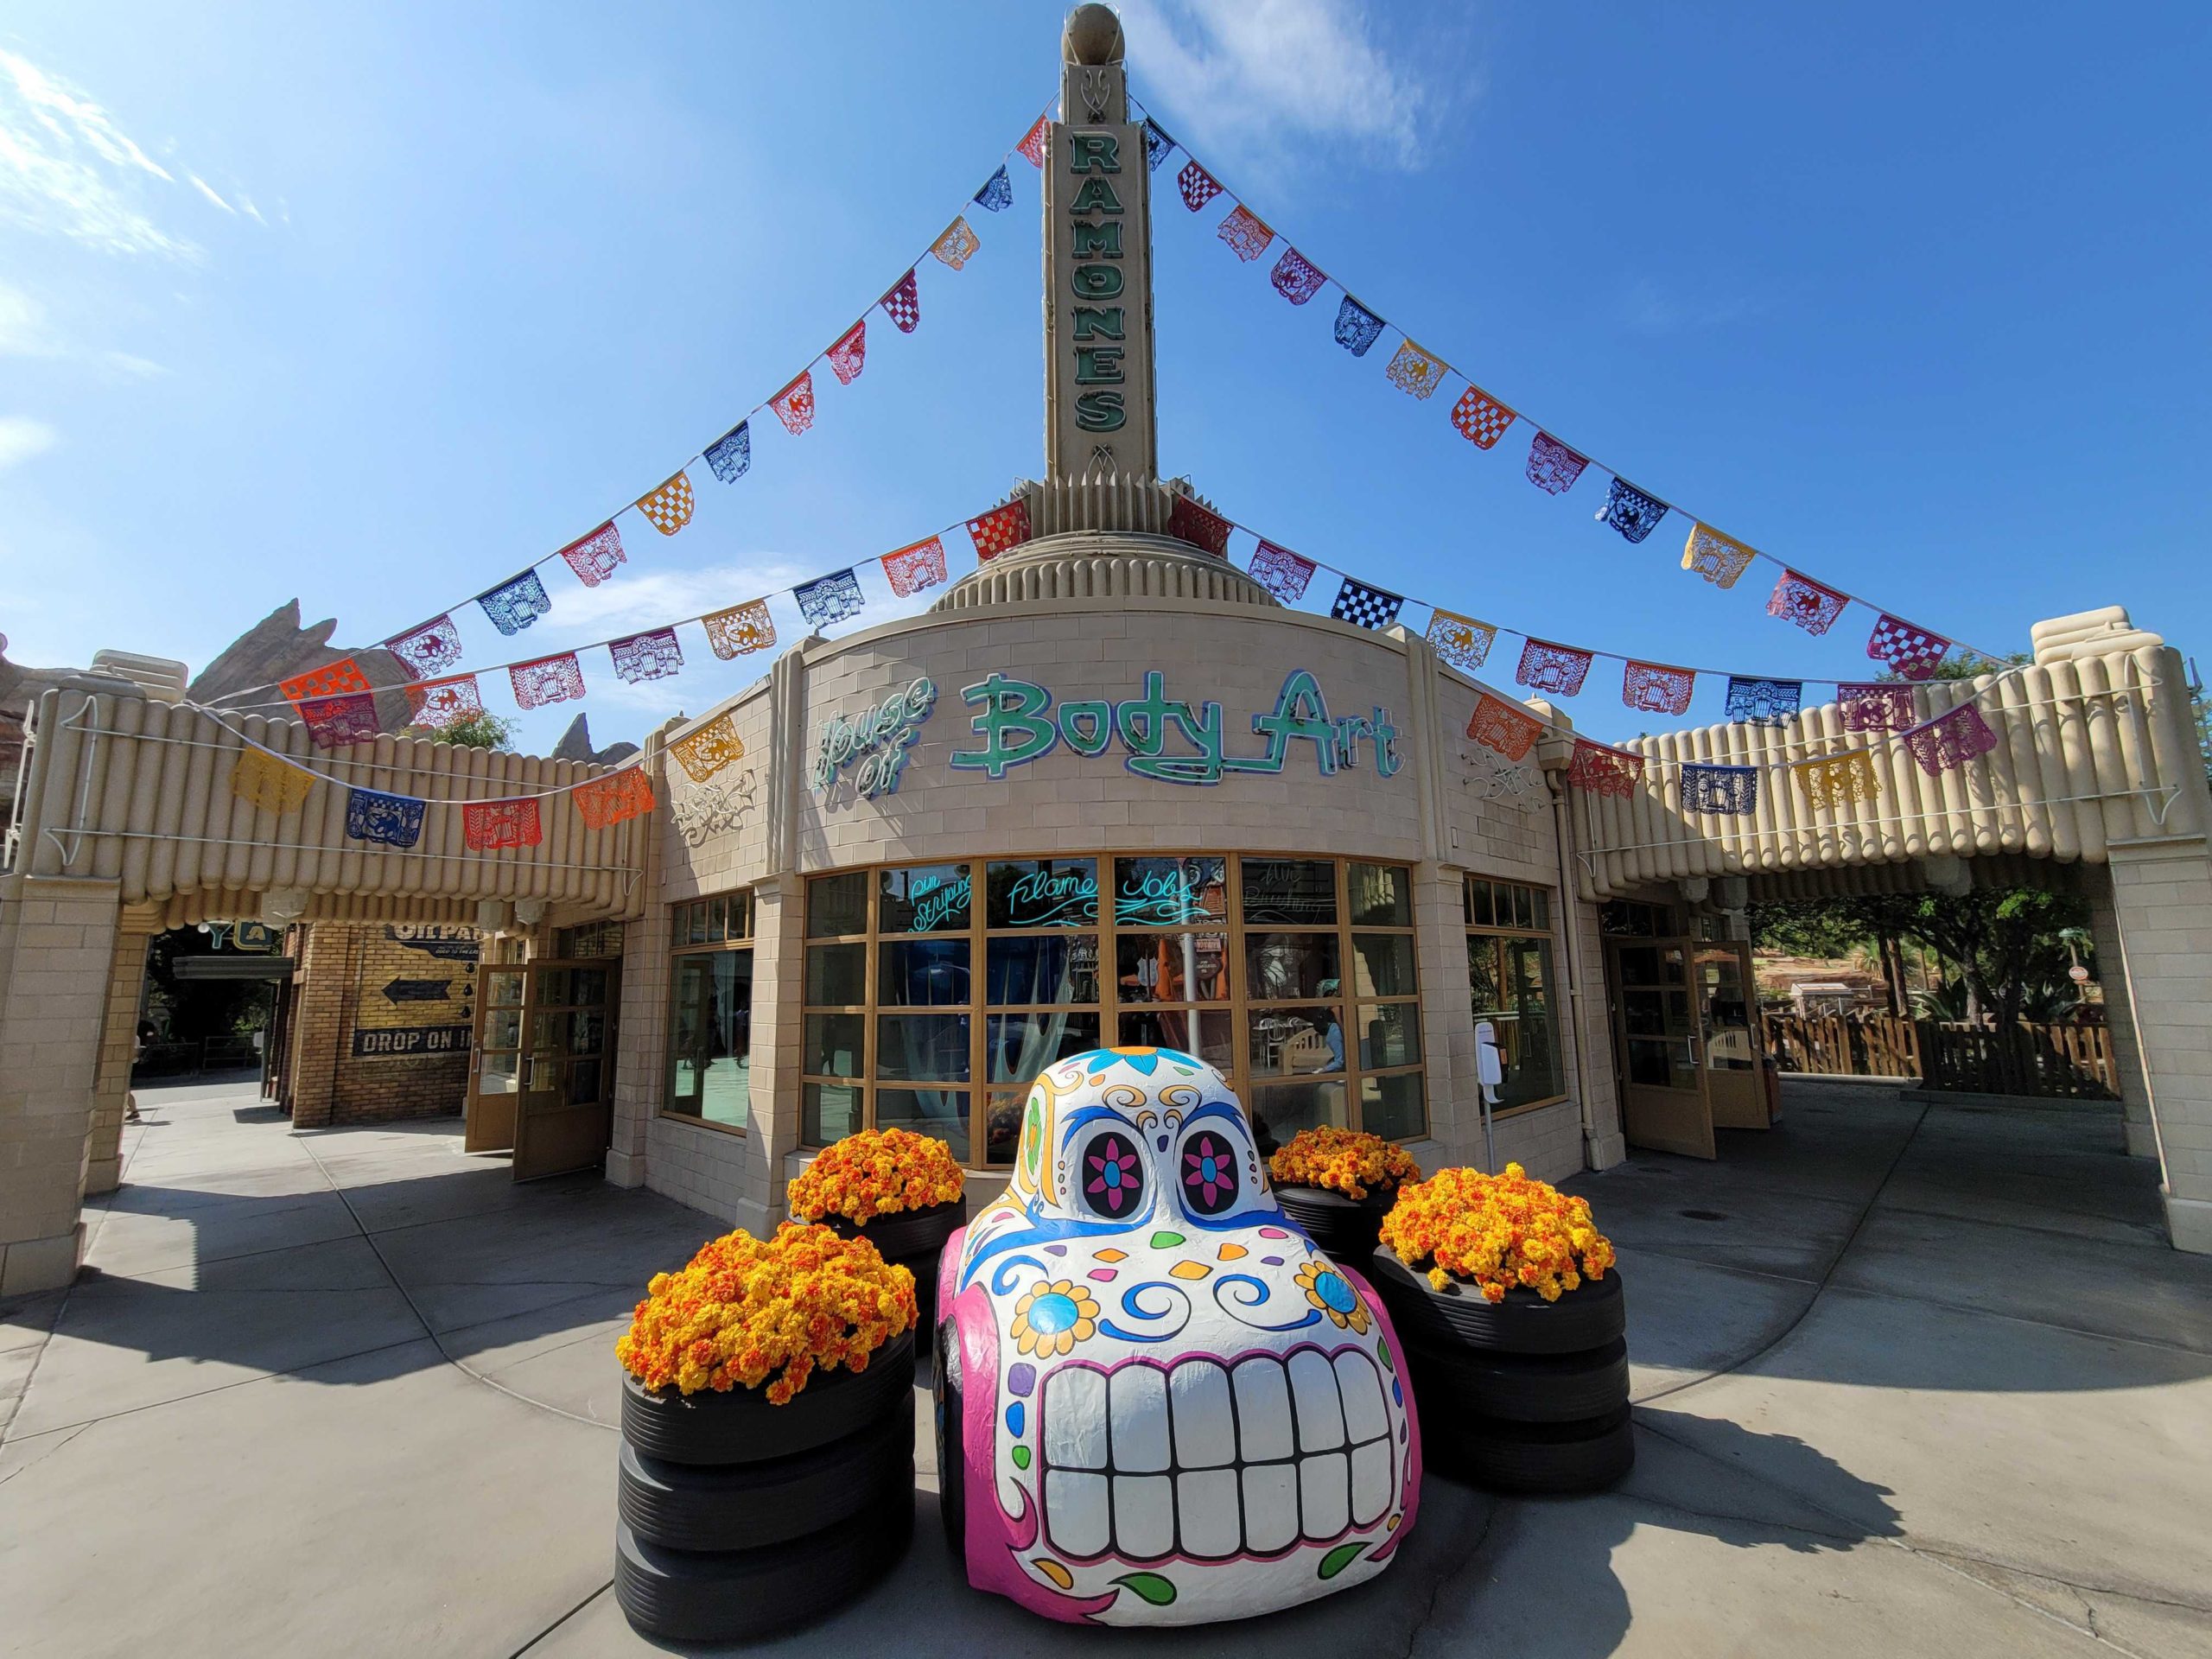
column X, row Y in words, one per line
column 208, row 191
column 67, row 169
column 23, row 328
column 22, row 438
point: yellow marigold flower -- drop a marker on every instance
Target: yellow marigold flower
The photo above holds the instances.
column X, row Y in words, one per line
column 1342, row 1160
column 876, row 1172
column 1495, row 1232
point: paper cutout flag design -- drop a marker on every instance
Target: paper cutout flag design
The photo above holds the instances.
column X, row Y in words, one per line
column 794, row 404
column 1000, row 529
column 489, row 826
column 740, row 629
column 1297, row 279
column 1631, row 511
column 1197, row 185
column 1912, row 652
column 331, row 680
column 515, row 604
column 829, row 598
column 1158, row 146
column 392, row 820
column 1414, row 371
column 642, row 657
column 272, row 785
column 1482, row 420
column 1657, row 688
column 669, row 508
column 849, row 354
column 1247, row 239
column 593, row 557
column 1497, row 724
column 1365, row 605
column 1032, row 143
column 1552, row 468
column 1811, row 605
column 707, row 751
column 731, row 455
column 1720, row 559
column 1358, row 327
column 440, row 703
column 1756, row 702
column 1875, row 706
column 1282, row 572
column 958, row 245
column 549, row 679
column 1602, row 771
column 618, row 796
column 903, row 304
column 1548, row 667
column 1950, row 741
column 1731, row 791
column 1460, row 640
column 912, row 570
column 1838, row 780
column 333, row 722
column 1189, row 521
column 997, row 193
column 431, row 649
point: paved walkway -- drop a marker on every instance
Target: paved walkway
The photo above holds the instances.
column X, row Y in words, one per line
column 1913, row 1378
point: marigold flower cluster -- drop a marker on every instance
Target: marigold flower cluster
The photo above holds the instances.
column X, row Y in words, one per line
column 1344, row 1161
column 746, row 1308
column 1498, row 1231
column 876, row 1172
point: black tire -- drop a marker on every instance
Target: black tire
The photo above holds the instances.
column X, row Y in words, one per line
column 1502, row 1457
column 1524, row 1323
column 1522, row 1387
column 904, row 1233
column 741, row 1426
column 1341, row 1226
column 739, row 1596
column 746, row 1505
column 951, row 1465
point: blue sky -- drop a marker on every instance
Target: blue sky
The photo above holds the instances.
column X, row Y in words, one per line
column 373, row 306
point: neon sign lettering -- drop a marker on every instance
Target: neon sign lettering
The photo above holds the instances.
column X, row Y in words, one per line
column 878, row 740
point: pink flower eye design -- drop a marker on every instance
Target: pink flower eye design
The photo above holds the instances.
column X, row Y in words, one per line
column 1113, row 1175
column 1209, row 1172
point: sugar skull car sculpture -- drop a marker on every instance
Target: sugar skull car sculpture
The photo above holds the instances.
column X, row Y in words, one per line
column 1158, row 1403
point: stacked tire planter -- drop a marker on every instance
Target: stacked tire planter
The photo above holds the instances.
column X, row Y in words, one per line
column 1345, row 1229
column 739, row 1517
column 1521, row 1395
column 914, row 1239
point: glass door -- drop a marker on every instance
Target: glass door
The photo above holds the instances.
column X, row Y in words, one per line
column 566, row 1106
column 1729, row 1023
column 495, row 1061
column 1657, row 1043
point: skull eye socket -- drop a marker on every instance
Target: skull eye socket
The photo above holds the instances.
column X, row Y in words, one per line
column 1110, row 1175
column 1208, row 1172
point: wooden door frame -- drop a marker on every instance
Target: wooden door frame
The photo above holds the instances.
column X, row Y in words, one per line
column 1696, row 1140
column 609, row 1008
column 479, row 1132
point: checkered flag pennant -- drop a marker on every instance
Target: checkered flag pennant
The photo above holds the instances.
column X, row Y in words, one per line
column 740, row 629
column 1811, row 605
column 439, row 705
column 1913, row 652
column 1247, row 239
column 1729, row 791
column 1482, row 420
column 331, row 680
column 849, row 353
column 593, row 557
column 705, row 752
column 490, row 826
column 262, row 779
column 997, row 193
column 1657, row 688
column 1875, row 706
column 1720, row 559
column 1358, row 327
column 1756, row 702
column 794, row 404
column 1297, row 279
column 829, row 598
column 958, row 244
column 1836, row 780
column 549, row 679
column 1545, row 666
column 333, row 723
column 1631, row 511
column 1197, row 185
column 1158, row 146
column 1001, row 529
column 1366, row 607
column 618, row 795
column 643, row 657
column 1189, row 521
column 903, row 304
column 668, row 509
column 1601, row 771
column 912, row 570
column 431, row 649
column 1950, row 741
column 1552, row 468
column 1460, row 640
column 513, row 605
column 1033, row 142
column 1282, row 572
column 393, row 820
column 1497, row 724
column 731, row 455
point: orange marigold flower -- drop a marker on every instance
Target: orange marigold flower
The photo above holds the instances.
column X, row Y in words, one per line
column 1497, row 1231
column 1343, row 1160
column 875, row 1173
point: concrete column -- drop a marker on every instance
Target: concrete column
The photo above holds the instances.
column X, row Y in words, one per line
column 2120, row 1015
column 2161, row 905
column 126, row 988
column 641, row 1064
column 778, row 994
column 1448, row 1021
column 57, row 957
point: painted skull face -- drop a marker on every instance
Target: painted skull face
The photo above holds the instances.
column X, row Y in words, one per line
column 1161, row 1404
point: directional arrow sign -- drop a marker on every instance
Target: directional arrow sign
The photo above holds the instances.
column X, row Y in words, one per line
column 417, row 990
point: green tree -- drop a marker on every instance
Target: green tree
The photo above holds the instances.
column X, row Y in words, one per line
column 479, row 731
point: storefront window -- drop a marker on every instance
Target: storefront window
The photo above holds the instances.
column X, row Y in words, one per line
column 1509, row 983
column 710, row 1012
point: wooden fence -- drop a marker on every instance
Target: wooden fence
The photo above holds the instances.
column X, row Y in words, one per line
column 2056, row 1062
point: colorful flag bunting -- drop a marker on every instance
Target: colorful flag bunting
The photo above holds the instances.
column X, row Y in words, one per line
column 912, row 570
column 1366, row 607
column 1482, row 420
column 1497, row 724
column 903, row 304
column 794, row 404
column 740, row 629
column 1158, row 146
column 331, row 680
column 1197, row 185
column 1838, row 780
column 1282, row 572
column 958, row 244
column 619, row 795
column 1460, row 640
column 1913, row 652
column 850, row 353
column 1001, row 529
column 430, row 649
column 1731, row 791
column 1247, row 239
column 1358, row 327
column 705, row 752
column 1297, row 279
column 513, row 605
column 1414, row 371
column 1720, row 559
column 731, row 455
column 1032, row 143
column 1548, row 667
column 438, row 704
column 548, row 679
column 642, row 657
column 488, row 826
column 1951, row 740
column 1812, row 606
column 1631, row 511
column 333, row 722
column 593, row 557
column 394, row 820
column 1552, row 468
column 668, row 509
column 997, row 193
column 1755, row 701
column 273, row 785
column 1602, row 771
column 829, row 598
column 1875, row 706
column 1190, row 521
column 1657, row 688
